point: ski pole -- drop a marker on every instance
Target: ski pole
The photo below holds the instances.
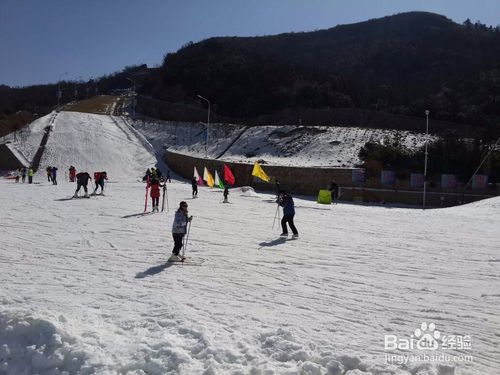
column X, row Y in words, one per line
column 166, row 191
column 146, row 198
column 186, row 240
column 276, row 214
column 163, row 199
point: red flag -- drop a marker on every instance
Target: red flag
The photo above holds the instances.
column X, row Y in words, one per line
column 228, row 175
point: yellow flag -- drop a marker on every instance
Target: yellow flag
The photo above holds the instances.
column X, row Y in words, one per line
column 259, row 172
column 207, row 176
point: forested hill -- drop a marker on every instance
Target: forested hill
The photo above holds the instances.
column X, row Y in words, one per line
column 400, row 64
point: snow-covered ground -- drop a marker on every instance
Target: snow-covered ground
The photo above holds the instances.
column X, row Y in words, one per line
column 85, row 288
column 319, row 146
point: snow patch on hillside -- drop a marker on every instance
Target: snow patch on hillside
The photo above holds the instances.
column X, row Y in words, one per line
column 318, row 146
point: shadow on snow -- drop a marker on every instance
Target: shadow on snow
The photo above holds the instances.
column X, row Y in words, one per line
column 153, row 270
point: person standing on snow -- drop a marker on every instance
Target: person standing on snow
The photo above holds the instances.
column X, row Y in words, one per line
column 30, row 175
column 285, row 200
column 155, row 192
column 147, row 175
column 194, row 185
column 179, row 229
column 23, row 174
column 334, row 190
column 72, row 173
column 49, row 173
column 99, row 178
column 159, row 175
column 82, row 179
column 226, row 193
column 54, row 175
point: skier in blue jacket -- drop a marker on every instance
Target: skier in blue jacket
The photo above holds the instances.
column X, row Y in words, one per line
column 54, row 175
column 179, row 229
column 285, row 200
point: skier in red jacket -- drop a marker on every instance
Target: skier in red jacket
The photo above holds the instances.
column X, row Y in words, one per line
column 155, row 185
column 99, row 178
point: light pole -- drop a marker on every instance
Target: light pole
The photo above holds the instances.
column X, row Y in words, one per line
column 208, row 124
column 59, row 93
column 133, row 96
column 425, row 163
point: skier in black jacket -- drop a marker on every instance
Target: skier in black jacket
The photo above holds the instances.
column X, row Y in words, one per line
column 285, row 200
column 194, row 185
column 82, row 179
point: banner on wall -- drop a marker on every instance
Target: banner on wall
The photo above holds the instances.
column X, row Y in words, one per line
column 416, row 180
column 449, row 181
column 479, row 181
column 358, row 176
column 388, row 177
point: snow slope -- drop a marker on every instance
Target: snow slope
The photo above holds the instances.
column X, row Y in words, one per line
column 85, row 288
column 90, row 143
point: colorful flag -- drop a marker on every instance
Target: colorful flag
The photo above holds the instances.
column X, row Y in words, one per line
column 479, row 181
column 388, row 177
column 228, row 175
column 449, row 181
column 416, row 180
column 218, row 181
column 199, row 181
column 208, row 177
column 259, row 172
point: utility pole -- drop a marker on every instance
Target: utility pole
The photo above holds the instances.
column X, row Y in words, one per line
column 208, row 125
column 425, row 163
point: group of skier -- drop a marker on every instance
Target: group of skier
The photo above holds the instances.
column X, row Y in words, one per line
column 156, row 173
column 180, row 225
column 51, row 174
column 21, row 174
column 83, row 178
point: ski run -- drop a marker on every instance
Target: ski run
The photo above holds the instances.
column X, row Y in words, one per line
column 86, row 289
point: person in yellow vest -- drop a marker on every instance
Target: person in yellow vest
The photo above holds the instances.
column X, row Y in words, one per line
column 30, row 175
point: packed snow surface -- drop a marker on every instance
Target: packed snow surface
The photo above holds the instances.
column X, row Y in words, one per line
column 85, row 287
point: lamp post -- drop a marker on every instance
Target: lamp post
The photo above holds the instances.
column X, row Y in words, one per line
column 208, row 124
column 133, row 96
column 59, row 93
column 425, row 163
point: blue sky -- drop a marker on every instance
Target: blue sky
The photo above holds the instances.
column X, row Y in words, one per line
column 42, row 39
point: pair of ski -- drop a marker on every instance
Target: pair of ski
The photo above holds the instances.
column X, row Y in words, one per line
column 185, row 261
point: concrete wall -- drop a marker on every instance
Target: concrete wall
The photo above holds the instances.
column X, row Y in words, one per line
column 412, row 197
column 8, row 161
column 308, row 181
column 298, row 180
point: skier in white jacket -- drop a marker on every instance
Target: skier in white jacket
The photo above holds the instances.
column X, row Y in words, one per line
column 179, row 229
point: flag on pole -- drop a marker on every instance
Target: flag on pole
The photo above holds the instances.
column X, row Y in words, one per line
column 228, row 175
column 199, row 181
column 259, row 172
column 207, row 176
column 218, row 181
